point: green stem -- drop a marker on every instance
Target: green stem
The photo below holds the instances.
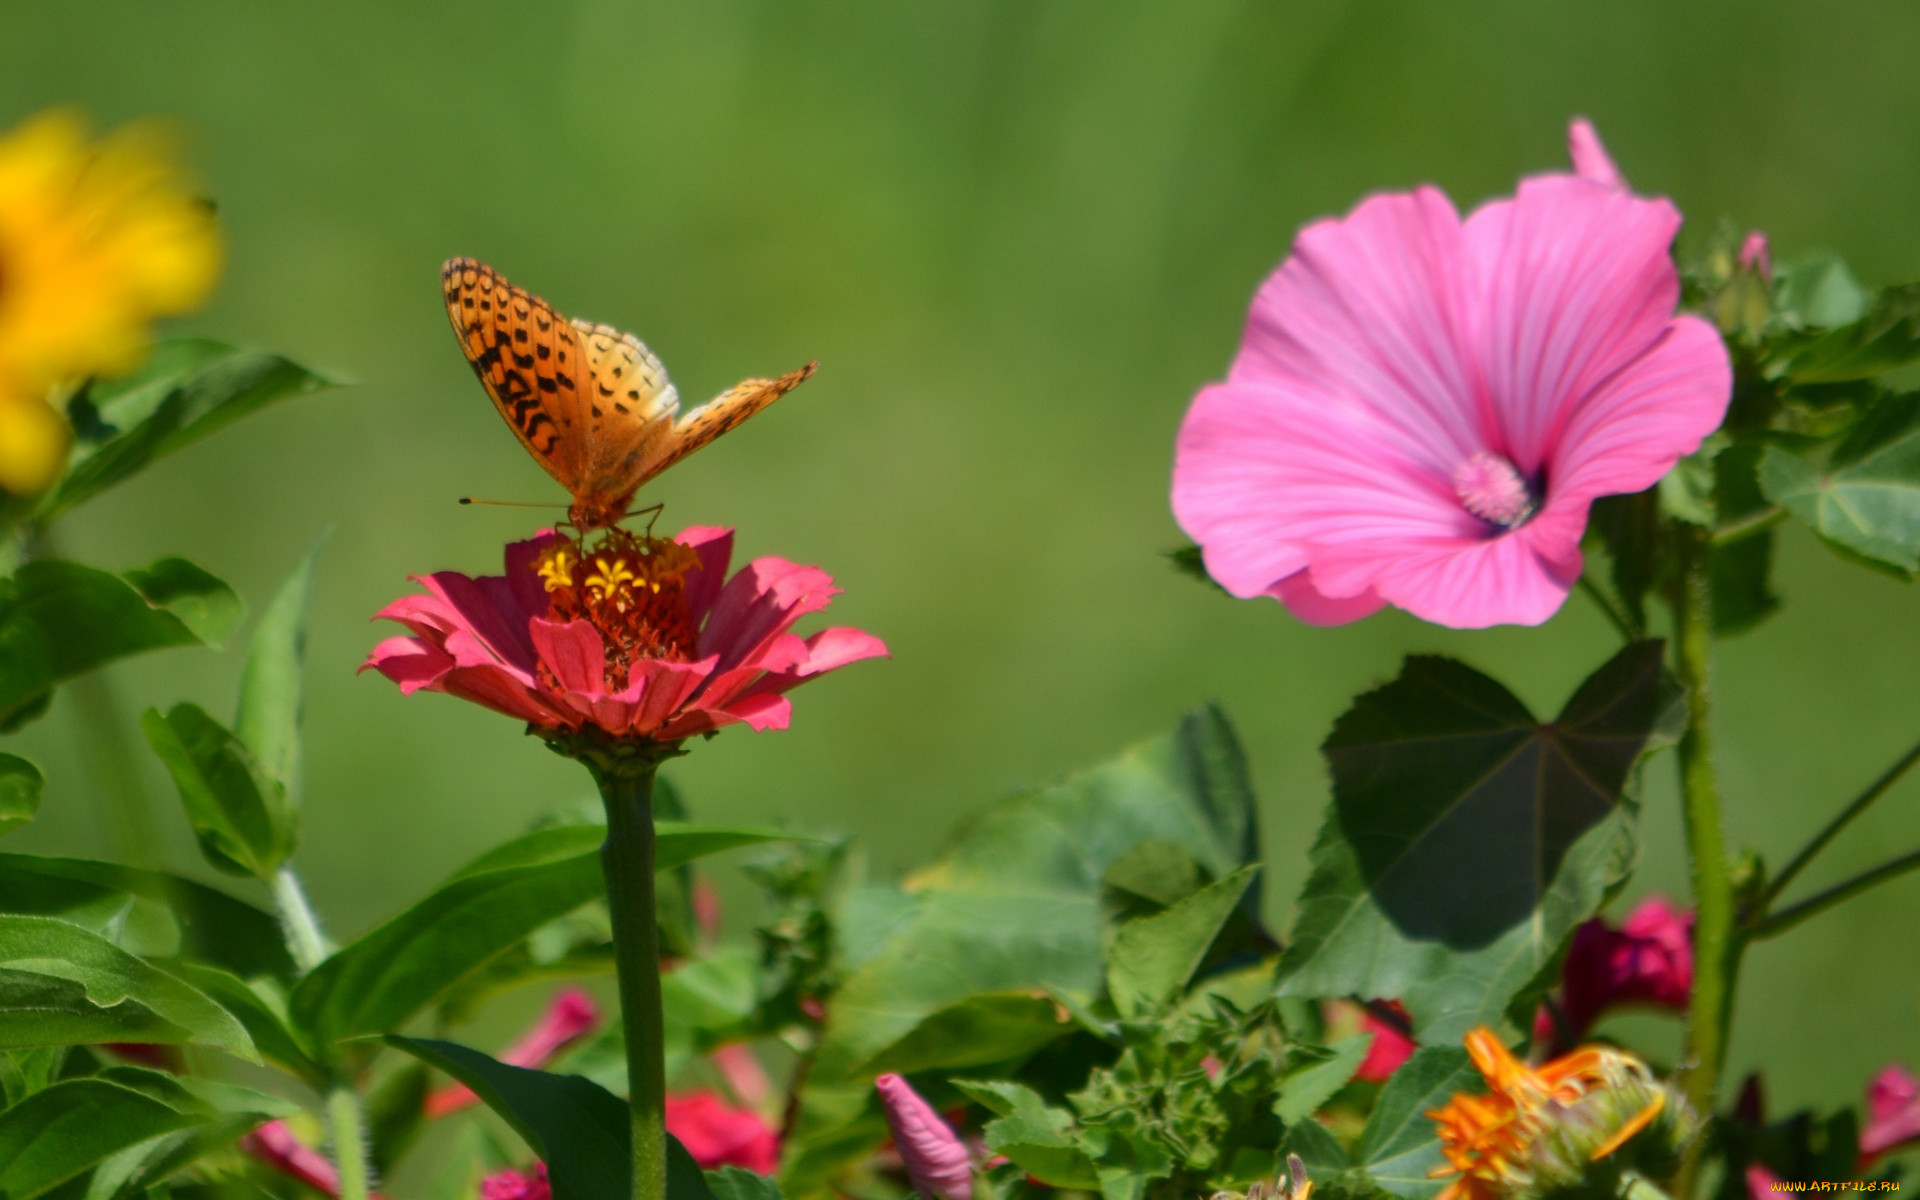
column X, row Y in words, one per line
column 349, row 1146
column 1787, row 918
column 1715, row 944
column 1845, row 817
column 304, row 940
column 627, row 859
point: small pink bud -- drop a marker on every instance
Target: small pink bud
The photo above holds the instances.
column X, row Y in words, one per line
column 1893, row 1113
column 275, row 1145
column 1590, row 157
column 572, row 1015
column 935, row 1157
column 1754, row 256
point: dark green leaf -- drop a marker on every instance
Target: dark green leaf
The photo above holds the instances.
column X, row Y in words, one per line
column 1885, row 339
column 61, row 985
column 20, row 784
column 262, row 1010
column 578, row 1128
column 268, row 722
column 1037, row 1137
column 54, row 1135
column 1743, row 593
column 733, row 1183
column 396, row 1113
column 1466, row 840
column 214, row 927
column 1399, row 1147
column 1863, row 496
column 383, row 979
column 1188, row 561
column 230, row 1112
column 980, row 1031
column 1629, row 528
column 1317, row 1148
column 1153, row 957
column 188, row 389
column 245, row 822
column 60, row 619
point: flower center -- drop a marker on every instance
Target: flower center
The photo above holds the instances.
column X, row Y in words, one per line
column 1493, row 489
column 631, row 589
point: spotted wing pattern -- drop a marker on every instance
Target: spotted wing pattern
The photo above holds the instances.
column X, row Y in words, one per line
column 590, row 403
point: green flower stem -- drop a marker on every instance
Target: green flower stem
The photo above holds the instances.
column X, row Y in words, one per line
column 1845, row 817
column 349, row 1145
column 304, row 940
column 627, row 857
column 1715, row 943
column 1787, row 918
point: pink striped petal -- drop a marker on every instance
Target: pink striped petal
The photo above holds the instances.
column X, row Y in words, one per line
column 1591, row 161
column 574, row 652
column 935, row 1157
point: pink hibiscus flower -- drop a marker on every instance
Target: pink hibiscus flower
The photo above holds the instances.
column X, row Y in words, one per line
column 936, row 1159
column 637, row 638
column 1893, row 1113
column 1424, row 408
column 1647, row 961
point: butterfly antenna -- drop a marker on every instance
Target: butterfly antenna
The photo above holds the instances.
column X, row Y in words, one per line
column 507, row 503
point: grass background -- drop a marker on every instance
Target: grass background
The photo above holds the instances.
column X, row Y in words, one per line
column 1017, row 235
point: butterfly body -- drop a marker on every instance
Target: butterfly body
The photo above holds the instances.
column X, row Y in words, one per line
column 591, row 403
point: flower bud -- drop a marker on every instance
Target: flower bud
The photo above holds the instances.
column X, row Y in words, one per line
column 935, row 1157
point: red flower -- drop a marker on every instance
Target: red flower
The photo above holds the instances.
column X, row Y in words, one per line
column 509, row 1184
column 1648, row 960
column 1391, row 1046
column 1893, row 1113
column 572, row 1016
column 718, row 1134
column 638, row 638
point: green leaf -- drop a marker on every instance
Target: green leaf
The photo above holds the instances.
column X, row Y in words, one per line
column 1886, row 338
column 54, row 1135
column 268, row 721
column 230, row 1113
column 63, row 986
column 1153, row 957
column 1864, row 495
column 980, row 1031
column 578, row 1128
column 1306, row 1088
column 262, row 1010
column 1743, row 594
column 60, row 619
column 20, row 783
column 242, row 816
column 383, row 979
column 1399, row 1146
column 1037, row 1137
column 188, row 389
column 736, row 1183
column 1819, row 292
column 213, row 926
column 1466, row 840
column 1317, row 1148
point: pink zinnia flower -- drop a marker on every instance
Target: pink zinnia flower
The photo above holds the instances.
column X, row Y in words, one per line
column 1424, row 408
column 638, row 638
column 1390, row 1046
column 275, row 1145
column 1760, row 1182
column 716, row 1133
column 509, row 1184
column 1647, row 961
column 571, row 1016
column 933, row 1154
column 1893, row 1113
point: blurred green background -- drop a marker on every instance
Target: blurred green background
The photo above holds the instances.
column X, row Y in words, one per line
column 1017, row 234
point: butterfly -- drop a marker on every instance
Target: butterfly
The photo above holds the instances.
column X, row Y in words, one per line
column 590, row 403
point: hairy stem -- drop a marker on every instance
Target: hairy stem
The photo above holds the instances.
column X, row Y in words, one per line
column 1840, row 821
column 349, row 1144
column 1715, row 943
column 627, row 859
column 297, row 920
column 1787, row 918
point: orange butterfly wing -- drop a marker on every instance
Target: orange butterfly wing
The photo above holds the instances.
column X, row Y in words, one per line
column 592, row 404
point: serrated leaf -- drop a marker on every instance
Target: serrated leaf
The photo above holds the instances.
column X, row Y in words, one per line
column 578, row 1128
column 268, row 718
column 61, row 619
column 1466, row 840
column 20, row 784
column 1153, row 957
column 384, row 978
column 1399, row 1147
column 54, row 1135
column 63, row 986
column 980, row 1031
column 1307, row 1087
column 1863, row 495
column 214, row 927
column 187, row 389
column 1034, row 1135
column 240, row 813
column 1318, row 1149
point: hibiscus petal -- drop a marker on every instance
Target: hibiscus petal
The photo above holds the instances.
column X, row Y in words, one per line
column 1499, row 581
column 1590, row 158
column 1225, row 475
column 1315, row 607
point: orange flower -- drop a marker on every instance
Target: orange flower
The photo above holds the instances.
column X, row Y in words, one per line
column 1536, row 1124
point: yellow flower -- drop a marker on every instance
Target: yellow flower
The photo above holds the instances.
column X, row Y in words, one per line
column 96, row 240
column 1539, row 1128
